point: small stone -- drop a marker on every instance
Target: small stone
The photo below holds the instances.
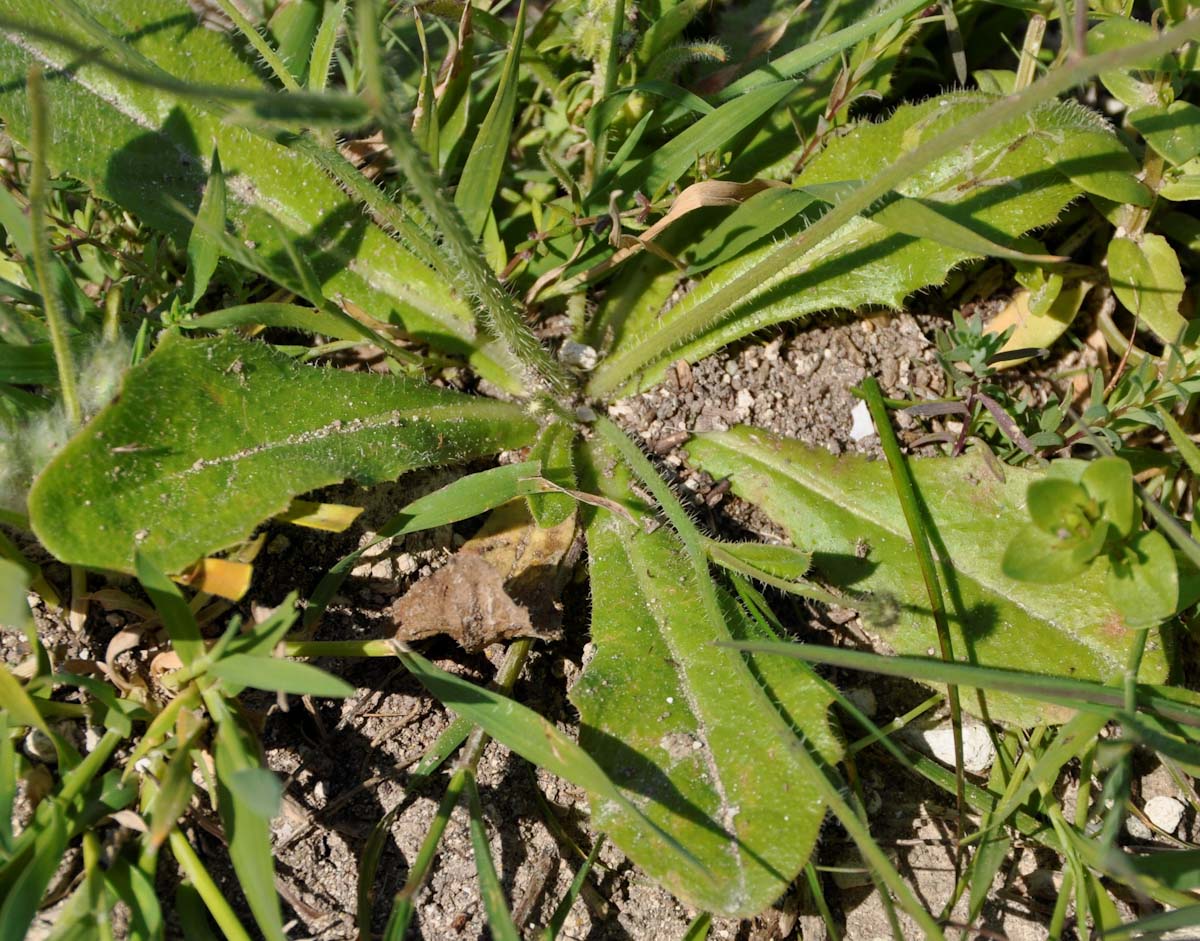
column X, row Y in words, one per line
column 978, row 751
column 1164, row 812
column 1044, row 884
column 39, row 747
column 578, row 355
column 864, row 698
column 861, row 424
column 1136, row 829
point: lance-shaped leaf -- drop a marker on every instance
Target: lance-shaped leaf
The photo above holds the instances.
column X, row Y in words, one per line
column 149, row 148
column 1005, row 183
column 840, row 508
column 210, row 437
column 686, row 727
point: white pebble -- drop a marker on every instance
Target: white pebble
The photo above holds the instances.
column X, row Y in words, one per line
column 861, row 424
column 578, row 355
column 978, row 752
column 1164, row 812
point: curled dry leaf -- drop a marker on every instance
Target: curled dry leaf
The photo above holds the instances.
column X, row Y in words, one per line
column 465, row 599
column 501, row 585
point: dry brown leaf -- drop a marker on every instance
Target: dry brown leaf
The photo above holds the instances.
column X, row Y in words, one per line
column 465, row 599
column 502, row 584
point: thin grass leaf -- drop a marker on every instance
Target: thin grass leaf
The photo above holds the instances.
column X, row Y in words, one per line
column 203, row 253
column 1183, row 444
column 174, row 790
column 8, row 785
column 402, row 905
column 561, row 911
column 1076, row 694
column 699, row 928
column 485, row 162
column 177, row 617
column 443, row 747
column 925, row 219
column 368, row 866
column 799, row 60
column 326, row 42
column 1157, row 925
column 289, row 316
column 539, row 741
column 23, row 898
column 248, row 832
column 203, row 887
column 282, row 676
column 260, row 44
column 654, row 172
column 16, row 703
column 499, row 919
column 294, row 25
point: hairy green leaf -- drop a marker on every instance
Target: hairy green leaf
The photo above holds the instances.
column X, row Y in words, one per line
column 685, row 727
column 210, row 437
column 846, row 512
column 1006, row 182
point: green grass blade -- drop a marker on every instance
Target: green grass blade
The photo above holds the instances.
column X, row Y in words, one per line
column 282, row 676
column 402, row 905
column 485, row 162
column 563, row 909
column 247, row 830
column 443, row 747
column 177, row 617
column 668, row 163
column 290, row 316
column 1076, row 694
column 260, row 44
column 797, row 61
column 203, row 253
column 203, row 886
column 537, row 740
column 699, row 928
column 326, row 42
column 499, row 919
column 25, row 894
column 174, row 791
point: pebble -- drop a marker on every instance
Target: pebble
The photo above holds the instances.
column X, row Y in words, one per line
column 861, row 424
column 579, row 355
column 978, row 751
column 1164, row 812
column 864, row 698
column 39, row 747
